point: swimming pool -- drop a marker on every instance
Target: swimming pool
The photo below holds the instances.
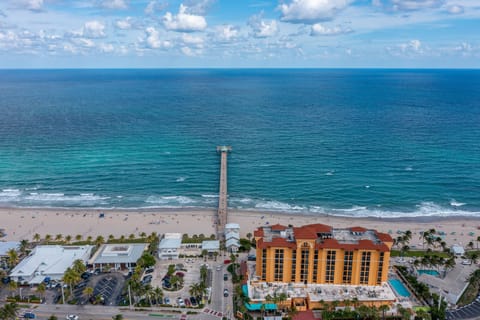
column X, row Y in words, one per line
column 430, row 272
column 399, row 288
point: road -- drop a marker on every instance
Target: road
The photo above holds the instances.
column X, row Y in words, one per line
column 219, row 306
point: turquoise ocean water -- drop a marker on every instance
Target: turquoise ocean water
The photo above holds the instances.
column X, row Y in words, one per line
column 344, row 142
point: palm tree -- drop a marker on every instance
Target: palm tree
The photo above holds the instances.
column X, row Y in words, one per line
column 37, row 237
column 12, row 286
column 48, row 238
column 158, row 294
column 79, row 266
column 12, row 257
column 470, row 245
column 68, row 238
column 99, row 241
column 41, row 288
column 10, row 311
column 131, row 236
column 383, row 308
column 143, row 235
column 122, row 238
column 24, row 246
column 58, row 237
column 88, row 291
column 71, row 277
column 53, row 317
column 78, row 237
column 89, row 239
column 111, row 238
column 474, row 257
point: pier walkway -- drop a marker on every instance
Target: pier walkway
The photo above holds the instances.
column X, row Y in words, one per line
column 222, row 196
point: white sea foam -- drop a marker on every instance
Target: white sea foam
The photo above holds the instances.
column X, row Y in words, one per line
column 170, row 200
column 330, row 173
column 61, row 197
column 408, row 168
column 181, row 179
column 209, row 195
column 455, row 203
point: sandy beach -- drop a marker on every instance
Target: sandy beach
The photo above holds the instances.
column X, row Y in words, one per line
column 22, row 223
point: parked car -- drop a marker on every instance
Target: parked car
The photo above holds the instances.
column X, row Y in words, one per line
column 149, row 270
column 72, row 317
column 193, row 301
column 225, row 293
column 180, row 302
column 225, row 276
column 85, row 275
column 29, row 315
column 6, row 280
column 167, row 300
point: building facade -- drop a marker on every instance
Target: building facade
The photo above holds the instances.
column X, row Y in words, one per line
column 320, row 254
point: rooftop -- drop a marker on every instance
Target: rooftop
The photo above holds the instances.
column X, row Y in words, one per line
column 257, row 291
column 119, row 253
column 324, row 236
column 47, row 260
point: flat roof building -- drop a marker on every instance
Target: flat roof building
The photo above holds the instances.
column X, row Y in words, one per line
column 49, row 261
column 118, row 256
column 169, row 247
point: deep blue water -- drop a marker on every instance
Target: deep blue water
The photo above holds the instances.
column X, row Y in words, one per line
column 345, row 142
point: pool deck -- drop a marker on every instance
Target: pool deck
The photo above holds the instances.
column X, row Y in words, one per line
column 451, row 286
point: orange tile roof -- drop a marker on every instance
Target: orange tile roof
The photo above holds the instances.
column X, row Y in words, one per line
column 276, row 242
column 358, row 229
column 278, row 227
column 360, row 245
column 385, row 237
column 305, row 315
column 310, row 231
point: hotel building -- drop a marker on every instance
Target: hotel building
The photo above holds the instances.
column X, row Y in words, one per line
column 315, row 260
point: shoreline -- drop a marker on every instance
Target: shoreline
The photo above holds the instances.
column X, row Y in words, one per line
column 24, row 223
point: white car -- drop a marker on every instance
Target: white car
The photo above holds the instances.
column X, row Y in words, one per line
column 72, row 317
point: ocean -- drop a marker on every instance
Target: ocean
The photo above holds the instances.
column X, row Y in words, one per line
column 385, row 143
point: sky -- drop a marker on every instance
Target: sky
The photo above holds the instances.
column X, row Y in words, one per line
column 240, row 33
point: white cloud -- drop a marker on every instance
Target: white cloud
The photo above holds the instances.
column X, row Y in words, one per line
column 187, row 51
column 107, row 47
column 32, row 5
column 311, row 11
column 192, row 40
column 408, row 5
column 226, row 32
column 320, row 30
column 93, row 29
column 407, row 49
column 183, row 21
column 114, row 4
column 123, row 24
column 262, row 28
column 153, row 39
column 199, row 7
column 154, row 6
column 455, row 9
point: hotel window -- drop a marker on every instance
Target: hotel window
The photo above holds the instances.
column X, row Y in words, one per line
column 380, row 268
column 304, row 262
column 264, row 264
column 365, row 267
column 315, row 266
column 278, row 273
column 294, row 265
column 347, row 266
column 330, row 266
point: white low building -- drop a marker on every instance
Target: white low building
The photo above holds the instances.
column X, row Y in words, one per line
column 169, row 247
column 49, row 262
column 211, row 246
column 232, row 237
column 458, row 250
column 118, row 256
